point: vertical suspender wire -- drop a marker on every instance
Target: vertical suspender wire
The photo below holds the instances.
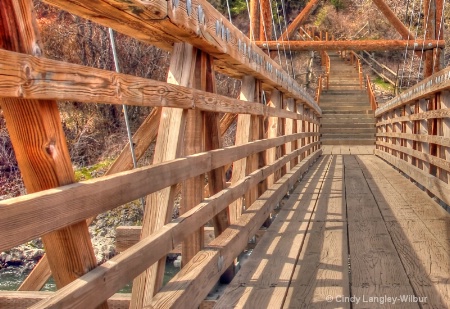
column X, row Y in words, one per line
column 439, row 32
column 125, row 107
column 289, row 42
column 275, row 34
column 424, row 35
column 406, row 49
column 415, row 35
column 229, row 12
column 282, row 40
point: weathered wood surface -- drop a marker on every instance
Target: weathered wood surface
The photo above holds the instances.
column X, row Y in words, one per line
column 435, row 139
column 40, row 78
column 110, row 192
column 39, row 143
column 299, row 19
column 425, row 89
column 369, row 228
column 192, row 283
column 430, row 182
column 104, row 281
column 196, row 22
column 394, row 20
column 372, row 45
column 25, row 299
column 432, row 114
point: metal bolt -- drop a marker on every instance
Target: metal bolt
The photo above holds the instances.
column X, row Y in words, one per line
column 189, row 7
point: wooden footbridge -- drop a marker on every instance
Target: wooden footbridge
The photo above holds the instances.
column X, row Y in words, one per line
column 355, row 224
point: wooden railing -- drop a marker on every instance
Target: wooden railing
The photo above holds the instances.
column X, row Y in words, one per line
column 370, row 93
column 319, row 89
column 353, row 58
column 413, row 133
column 284, row 134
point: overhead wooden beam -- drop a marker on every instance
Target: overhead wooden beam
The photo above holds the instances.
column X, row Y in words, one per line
column 49, row 79
column 394, row 20
column 371, row 45
column 196, row 22
column 296, row 23
column 40, row 147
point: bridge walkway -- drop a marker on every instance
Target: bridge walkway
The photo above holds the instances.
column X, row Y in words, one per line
column 354, row 233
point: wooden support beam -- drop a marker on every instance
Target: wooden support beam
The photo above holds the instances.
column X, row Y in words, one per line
column 102, row 282
column 180, row 20
column 394, row 20
column 160, row 205
column 296, row 23
column 354, row 45
column 253, row 33
column 436, row 83
column 49, row 79
column 61, row 209
column 193, row 283
column 265, row 27
column 25, row 299
column 429, row 24
column 40, row 146
column 243, row 136
column 272, row 132
column 445, row 151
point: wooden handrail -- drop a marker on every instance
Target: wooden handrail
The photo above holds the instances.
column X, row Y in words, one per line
column 404, row 138
column 372, row 99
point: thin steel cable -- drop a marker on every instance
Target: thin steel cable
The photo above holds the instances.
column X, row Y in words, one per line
column 289, row 42
column 275, row 34
column 282, row 40
column 423, row 44
column 439, row 32
column 406, row 49
column 415, row 35
column 229, row 12
column 124, row 106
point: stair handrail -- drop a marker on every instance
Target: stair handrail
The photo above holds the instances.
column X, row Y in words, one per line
column 370, row 92
column 319, row 90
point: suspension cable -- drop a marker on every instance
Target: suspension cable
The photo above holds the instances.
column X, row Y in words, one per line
column 124, row 106
column 406, row 49
column 415, row 35
column 439, row 32
column 289, row 42
column 275, row 34
column 282, row 39
column 424, row 35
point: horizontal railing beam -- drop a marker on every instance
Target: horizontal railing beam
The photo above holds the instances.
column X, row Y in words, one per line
column 435, row 83
column 40, row 78
column 105, row 280
column 372, row 45
column 66, row 205
column 195, row 22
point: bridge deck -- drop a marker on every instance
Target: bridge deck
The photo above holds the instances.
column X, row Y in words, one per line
column 346, row 230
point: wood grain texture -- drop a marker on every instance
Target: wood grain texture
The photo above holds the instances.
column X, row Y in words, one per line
column 435, row 139
column 394, row 20
column 299, row 19
column 160, row 204
column 192, row 283
column 40, row 147
column 211, row 33
column 432, row 114
column 431, row 183
column 39, row 78
column 426, row 88
column 357, row 45
column 104, row 281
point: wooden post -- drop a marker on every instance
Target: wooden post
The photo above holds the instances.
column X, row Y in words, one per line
column 423, row 129
column 272, row 132
column 398, row 129
column 409, row 130
column 159, row 204
column 299, row 126
column 301, row 111
column 254, row 21
column 445, row 151
column 243, row 131
column 265, row 28
column 429, row 9
column 289, row 129
column 439, row 34
column 40, row 146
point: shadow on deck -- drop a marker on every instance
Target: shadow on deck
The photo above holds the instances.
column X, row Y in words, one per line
column 347, row 237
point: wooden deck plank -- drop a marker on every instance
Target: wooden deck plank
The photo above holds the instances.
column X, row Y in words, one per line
column 264, row 278
column 322, row 269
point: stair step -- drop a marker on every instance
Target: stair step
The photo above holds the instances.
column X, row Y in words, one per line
column 334, row 130
column 355, row 111
column 362, row 141
column 348, row 125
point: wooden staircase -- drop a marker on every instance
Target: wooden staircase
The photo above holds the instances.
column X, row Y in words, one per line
column 347, row 117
